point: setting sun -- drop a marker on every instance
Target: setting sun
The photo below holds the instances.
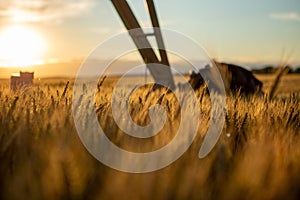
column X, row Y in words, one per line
column 20, row 46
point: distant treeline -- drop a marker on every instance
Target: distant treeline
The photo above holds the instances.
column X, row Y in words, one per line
column 271, row 69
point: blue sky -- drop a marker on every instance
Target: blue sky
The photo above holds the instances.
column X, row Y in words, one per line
column 257, row 31
column 250, row 31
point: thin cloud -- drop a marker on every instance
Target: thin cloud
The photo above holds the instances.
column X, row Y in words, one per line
column 42, row 10
column 286, row 16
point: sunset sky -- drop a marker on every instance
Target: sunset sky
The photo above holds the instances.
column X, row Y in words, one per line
column 51, row 31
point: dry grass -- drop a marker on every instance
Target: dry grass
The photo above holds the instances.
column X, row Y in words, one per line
column 42, row 157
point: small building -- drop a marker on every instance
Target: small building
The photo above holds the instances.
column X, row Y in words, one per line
column 22, row 80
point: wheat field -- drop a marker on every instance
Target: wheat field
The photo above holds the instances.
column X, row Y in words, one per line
column 42, row 157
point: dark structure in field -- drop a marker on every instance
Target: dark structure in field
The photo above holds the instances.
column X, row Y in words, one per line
column 24, row 80
column 196, row 80
column 242, row 80
column 236, row 79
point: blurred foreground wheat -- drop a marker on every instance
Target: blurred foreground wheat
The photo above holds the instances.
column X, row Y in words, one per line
column 41, row 156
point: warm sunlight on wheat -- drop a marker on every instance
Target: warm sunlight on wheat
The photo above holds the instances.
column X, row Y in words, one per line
column 149, row 99
column 257, row 156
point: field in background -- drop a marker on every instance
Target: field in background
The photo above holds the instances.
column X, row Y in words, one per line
column 288, row 84
column 41, row 156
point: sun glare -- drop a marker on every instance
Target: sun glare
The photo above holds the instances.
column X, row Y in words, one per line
column 20, row 46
